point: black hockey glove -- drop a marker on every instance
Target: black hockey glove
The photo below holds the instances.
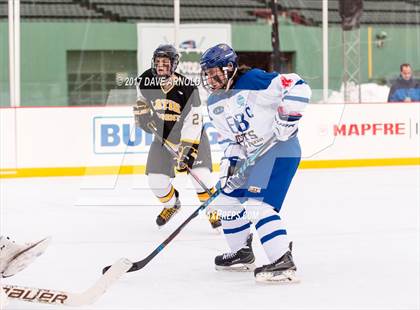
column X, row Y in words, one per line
column 187, row 154
column 143, row 116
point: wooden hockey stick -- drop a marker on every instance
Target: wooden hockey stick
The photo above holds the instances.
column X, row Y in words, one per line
column 55, row 297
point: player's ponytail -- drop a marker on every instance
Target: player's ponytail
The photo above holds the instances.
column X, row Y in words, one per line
column 242, row 69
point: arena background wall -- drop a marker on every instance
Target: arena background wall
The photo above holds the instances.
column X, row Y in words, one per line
column 45, row 46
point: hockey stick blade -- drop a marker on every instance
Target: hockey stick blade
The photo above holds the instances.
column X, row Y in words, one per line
column 141, row 263
column 248, row 162
column 50, row 296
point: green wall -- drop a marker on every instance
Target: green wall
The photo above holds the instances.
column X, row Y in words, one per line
column 306, row 42
column 4, row 64
column 402, row 45
column 44, row 47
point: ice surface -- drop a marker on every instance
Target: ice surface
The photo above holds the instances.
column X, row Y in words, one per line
column 355, row 235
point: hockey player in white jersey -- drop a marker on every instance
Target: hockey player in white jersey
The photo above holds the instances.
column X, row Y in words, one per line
column 247, row 107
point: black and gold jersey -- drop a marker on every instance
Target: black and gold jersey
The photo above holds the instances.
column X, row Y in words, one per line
column 176, row 110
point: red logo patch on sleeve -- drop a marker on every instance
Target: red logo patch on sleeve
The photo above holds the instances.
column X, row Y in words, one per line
column 285, row 82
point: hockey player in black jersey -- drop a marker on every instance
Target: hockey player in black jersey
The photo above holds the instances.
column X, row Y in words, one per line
column 170, row 103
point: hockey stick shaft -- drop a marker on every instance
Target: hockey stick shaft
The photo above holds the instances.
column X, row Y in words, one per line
column 55, row 297
column 248, row 162
column 175, row 153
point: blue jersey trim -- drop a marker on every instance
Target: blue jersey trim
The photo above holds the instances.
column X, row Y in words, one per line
column 255, row 79
column 272, row 235
column 296, row 98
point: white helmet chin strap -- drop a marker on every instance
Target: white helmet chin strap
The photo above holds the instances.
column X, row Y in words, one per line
column 229, row 80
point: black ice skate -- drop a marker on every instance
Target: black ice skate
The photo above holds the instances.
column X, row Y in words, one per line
column 214, row 220
column 281, row 271
column 167, row 213
column 242, row 260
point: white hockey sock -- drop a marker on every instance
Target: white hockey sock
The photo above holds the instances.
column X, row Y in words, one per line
column 235, row 223
column 204, row 175
column 271, row 230
column 161, row 186
column 169, row 199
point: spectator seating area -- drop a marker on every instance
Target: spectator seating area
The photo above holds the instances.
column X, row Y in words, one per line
column 308, row 12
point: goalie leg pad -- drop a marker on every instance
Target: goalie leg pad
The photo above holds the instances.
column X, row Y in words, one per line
column 25, row 257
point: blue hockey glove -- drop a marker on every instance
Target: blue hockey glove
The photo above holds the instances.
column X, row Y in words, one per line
column 285, row 125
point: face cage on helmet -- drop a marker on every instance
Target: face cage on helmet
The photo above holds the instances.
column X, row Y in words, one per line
column 174, row 65
column 226, row 86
